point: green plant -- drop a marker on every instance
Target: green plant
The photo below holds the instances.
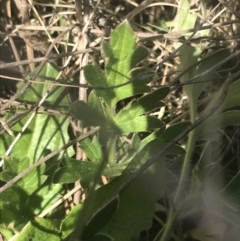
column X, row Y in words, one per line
column 121, row 57
column 197, row 70
column 114, row 150
column 107, row 152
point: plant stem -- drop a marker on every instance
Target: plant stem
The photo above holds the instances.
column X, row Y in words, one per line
column 185, row 171
column 184, row 174
column 186, row 166
column 189, row 151
column 169, row 226
column 111, row 151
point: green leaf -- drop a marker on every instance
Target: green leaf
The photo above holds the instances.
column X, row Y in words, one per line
column 194, row 90
column 114, row 171
column 30, row 195
column 233, row 98
column 136, row 201
column 185, row 19
column 156, row 95
column 172, row 131
column 44, row 197
column 34, row 93
column 99, row 219
column 220, row 118
column 229, row 118
column 139, row 54
column 154, row 135
column 74, row 170
column 67, row 225
column 188, row 54
column 40, row 229
column 31, row 181
column 145, row 104
column 232, row 191
column 15, row 166
column 131, row 151
column 40, row 138
column 163, row 139
column 138, row 124
column 217, row 120
column 12, row 214
column 87, row 114
column 10, row 195
column 6, row 233
column 130, row 118
column 92, row 117
column 121, row 56
column 96, row 77
column 92, row 149
column 102, row 237
column 230, row 101
column 95, row 103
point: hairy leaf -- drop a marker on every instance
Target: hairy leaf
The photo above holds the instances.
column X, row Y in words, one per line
column 92, row 149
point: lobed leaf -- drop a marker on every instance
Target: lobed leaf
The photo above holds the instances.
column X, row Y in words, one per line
column 145, row 104
column 121, row 56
